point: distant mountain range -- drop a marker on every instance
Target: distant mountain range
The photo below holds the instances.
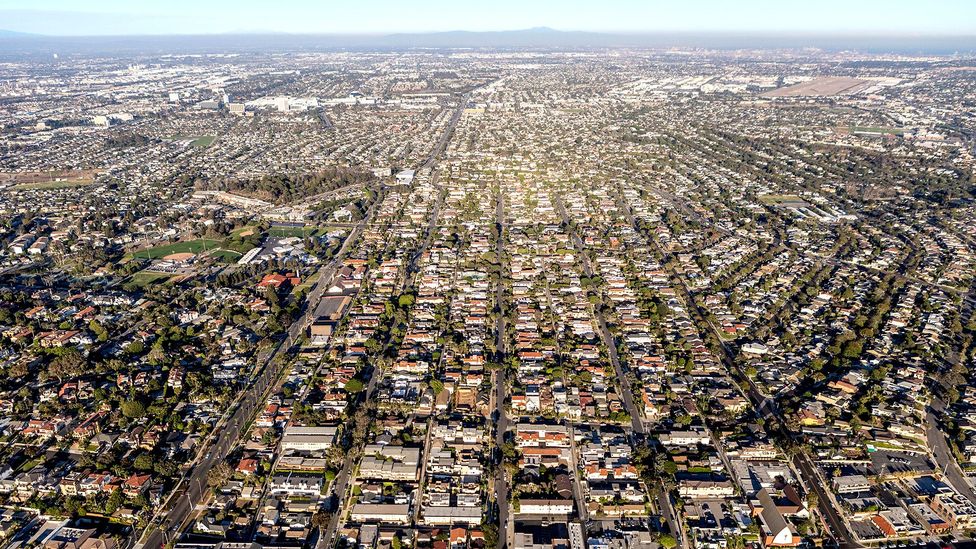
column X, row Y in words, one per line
column 15, row 34
column 538, row 37
column 534, row 38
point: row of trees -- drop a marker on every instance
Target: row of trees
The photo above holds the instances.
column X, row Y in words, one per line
column 282, row 188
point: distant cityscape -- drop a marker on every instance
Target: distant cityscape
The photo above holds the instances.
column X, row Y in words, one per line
column 525, row 290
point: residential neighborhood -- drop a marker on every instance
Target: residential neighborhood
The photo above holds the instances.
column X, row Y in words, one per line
column 522, row 298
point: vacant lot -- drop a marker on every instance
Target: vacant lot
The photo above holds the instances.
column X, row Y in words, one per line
column 824, row 87
column 62, row 179
column 877, row 129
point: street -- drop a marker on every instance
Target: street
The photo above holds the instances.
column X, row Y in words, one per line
column 247, row 408
column 505, row 525
column 942, row 454
column 338, row 488
column 626, row 393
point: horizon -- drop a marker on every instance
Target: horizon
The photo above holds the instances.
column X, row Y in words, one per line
column 62, row 18
column 19, row 46
column 501, row 277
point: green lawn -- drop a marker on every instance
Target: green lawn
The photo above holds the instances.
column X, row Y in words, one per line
column 203, row 141
column 307, row 283
column 239, row 246
column 143, row 279
column 190, row 246
column 226, row 256
column 283, row 232
column 51, row 185
column 779, row 198
column 195, row 140
column 30, row 464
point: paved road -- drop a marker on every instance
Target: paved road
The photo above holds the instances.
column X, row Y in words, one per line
column 431, row 161
column 245, row 410
column 326, row 121
column 667, row 507
column 579, row 492
column 340, row 484
column 24, row 267
column 626, row 393
column 505, row 526
column 766, row 407
column 828, row 505
column 438, row 149
column 942, row 454
column 339, row 487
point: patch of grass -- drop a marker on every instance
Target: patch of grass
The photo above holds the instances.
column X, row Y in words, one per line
column 195, row 140
column 241, row 247
column 779, row 198
column 284, row 232
column 307, row 283
column 143, row 279
column 30, row 464
column 203, row 141
column 226, row 256
column 243, row 240
column 187, row 246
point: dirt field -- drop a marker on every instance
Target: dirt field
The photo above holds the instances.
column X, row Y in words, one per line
column 48, row 180
column 824, row 87
column 181, row 256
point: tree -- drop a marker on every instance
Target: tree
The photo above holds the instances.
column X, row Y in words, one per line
column 17, row 370
column 321, row 519
column 114, row 501
column 140, row 501
column 219, row 475
column 68, row 364
column 667, row 541
column 669, row 467
column 354, row 386
column 100, row 332
column 144, row 462
column 271, row 295
column 853, row 349
column 437, row 386
column 334, row 455
column 510, row 452
column 133, row 409
column 73, row 506
column 156, row 355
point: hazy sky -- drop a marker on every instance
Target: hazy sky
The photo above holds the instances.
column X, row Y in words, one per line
column 99, row 17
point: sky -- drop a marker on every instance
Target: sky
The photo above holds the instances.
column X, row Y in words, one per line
column 127, row 17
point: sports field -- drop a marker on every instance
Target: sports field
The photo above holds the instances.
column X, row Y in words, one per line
column 188, row 246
